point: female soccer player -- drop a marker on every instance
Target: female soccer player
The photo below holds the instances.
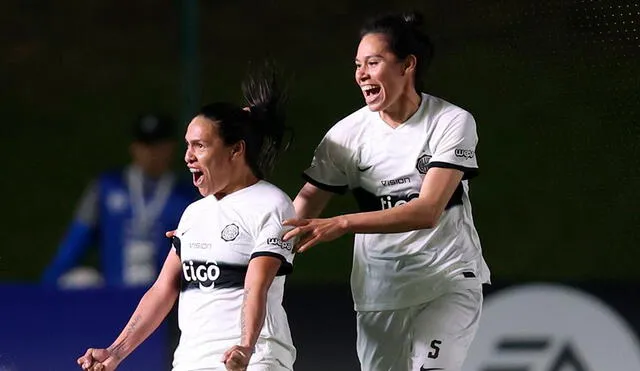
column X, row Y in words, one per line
column 228, row 259
column 407, row 156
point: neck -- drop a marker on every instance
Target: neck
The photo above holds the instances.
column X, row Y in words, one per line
column 404, row 107
column 243, row 181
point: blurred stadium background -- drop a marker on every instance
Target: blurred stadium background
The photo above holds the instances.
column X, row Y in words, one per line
column 553, row 85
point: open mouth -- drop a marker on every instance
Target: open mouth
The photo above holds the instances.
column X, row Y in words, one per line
column 370, row 92
column 197, row 176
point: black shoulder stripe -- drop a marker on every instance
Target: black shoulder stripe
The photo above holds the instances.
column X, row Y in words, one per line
column 469, row 172
column 285, row 268
column 456, row 197
column 325, row 187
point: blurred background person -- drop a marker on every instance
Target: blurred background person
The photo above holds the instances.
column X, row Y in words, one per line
column 124, row 213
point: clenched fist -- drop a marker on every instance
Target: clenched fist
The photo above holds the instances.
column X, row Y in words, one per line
column 97, row 360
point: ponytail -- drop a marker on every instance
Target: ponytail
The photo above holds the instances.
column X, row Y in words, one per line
column 260, row 124
column 265, row 100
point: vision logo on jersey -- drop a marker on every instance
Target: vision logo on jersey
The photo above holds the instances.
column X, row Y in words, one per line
column 286, row 245
column 203, row 273
column 388, row 201
column 391, row 182
column 466, row 153
column 422, row 163
column 200, row 245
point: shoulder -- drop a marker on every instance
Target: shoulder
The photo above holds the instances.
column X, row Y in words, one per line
column 346, row 136
column 449, row 119
column 193, row 212
column 195, row 206
column 265, row 197
column 443, row 110
column 350, row 126
column 271, row 194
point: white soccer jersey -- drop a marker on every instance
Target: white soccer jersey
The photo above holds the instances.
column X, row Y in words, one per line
column 384, row 167
column 215, row 240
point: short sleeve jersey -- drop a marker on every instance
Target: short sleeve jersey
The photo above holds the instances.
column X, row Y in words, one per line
column 384, row 167
column 216, row 239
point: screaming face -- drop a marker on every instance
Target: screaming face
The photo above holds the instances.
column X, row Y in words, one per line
column 209, row 160
column 380, row 75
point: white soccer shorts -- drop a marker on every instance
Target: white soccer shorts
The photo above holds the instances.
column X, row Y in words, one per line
column 426, row 337
column 272, row 365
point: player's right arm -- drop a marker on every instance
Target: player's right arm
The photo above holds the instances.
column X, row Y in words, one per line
column 151, row 311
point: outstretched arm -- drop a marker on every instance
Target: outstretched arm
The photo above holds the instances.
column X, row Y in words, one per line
column 437, row 188
column 423, row 212
column 151, row 311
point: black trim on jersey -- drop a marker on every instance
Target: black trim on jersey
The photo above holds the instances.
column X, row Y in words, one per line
column 325, row 187
column 285, row 268
column 469, row 172
column 175, row 241
column 367, row 201
column 456, row 197
column 231, row 276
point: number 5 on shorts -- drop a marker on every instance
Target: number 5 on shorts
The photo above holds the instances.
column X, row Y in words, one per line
column 435, row 345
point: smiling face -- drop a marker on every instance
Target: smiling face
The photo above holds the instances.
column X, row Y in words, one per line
column 381, row 76
column 209, row 159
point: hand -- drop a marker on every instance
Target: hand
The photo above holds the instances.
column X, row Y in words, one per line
column 313, row 231
column 97, row 360
column 237, row 358
column 170, row 234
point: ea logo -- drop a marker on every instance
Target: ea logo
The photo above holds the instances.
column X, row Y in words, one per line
column 204, row 273
column 551, row 328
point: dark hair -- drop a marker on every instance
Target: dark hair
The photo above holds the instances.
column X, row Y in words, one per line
column 260, row 124
column 404, row 37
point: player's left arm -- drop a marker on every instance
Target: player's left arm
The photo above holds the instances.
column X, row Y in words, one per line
column 437, row 188
column 423, row 212
column 260, row 274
